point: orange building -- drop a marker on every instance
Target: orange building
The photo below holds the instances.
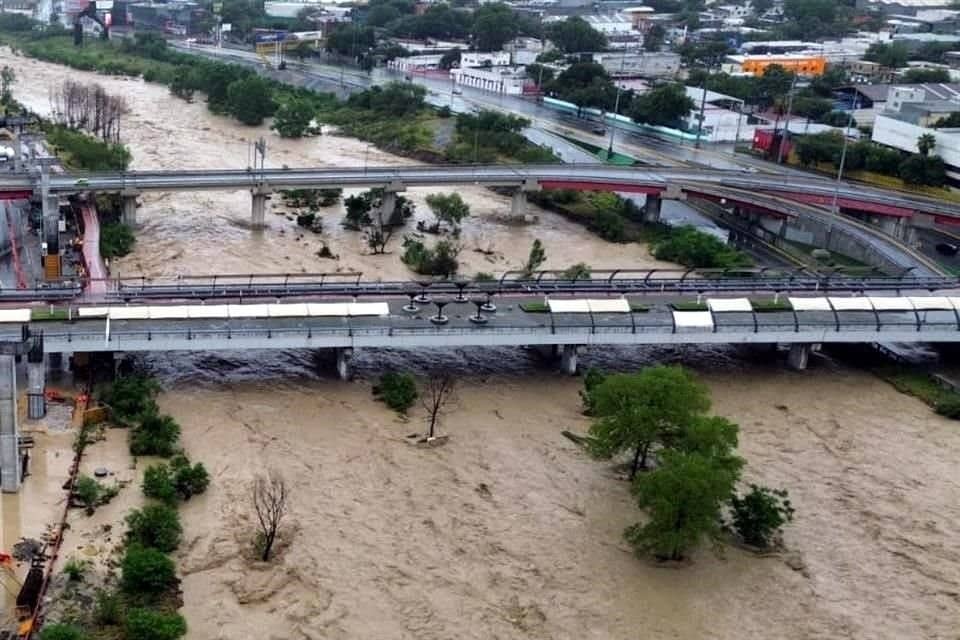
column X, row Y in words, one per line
column 799, row 64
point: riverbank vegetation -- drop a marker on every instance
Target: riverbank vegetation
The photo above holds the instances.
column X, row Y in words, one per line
column 80, row 151
column 142, row 601
column 923, row 385
column 660, row 415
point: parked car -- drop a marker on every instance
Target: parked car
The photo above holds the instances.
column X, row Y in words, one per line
column 599, row 130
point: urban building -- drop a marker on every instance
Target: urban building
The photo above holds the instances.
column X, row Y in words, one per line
column 804, row 65
column 723, row 117
column 645, row 64
column 611, row 25
column 506, row 80
column 864, row 71
column 178, row 18
column 869, row 100
column 903, row 7
column 911, row 112
column 424, row 62
column 472, row 59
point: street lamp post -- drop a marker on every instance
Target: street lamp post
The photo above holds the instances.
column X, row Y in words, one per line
column 616, row 106
column 786, row 126
column 736, row 136
column 834, row 208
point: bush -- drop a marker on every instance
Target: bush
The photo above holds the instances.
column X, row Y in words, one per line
column 108, row 609
column 609, row 225
column 592, row 379
column 61, row 632
column 189, row 480
column 441, row 260
column 143, row 624
column 131, row 397
column 397, row 390
column 85, row 152
column 949, row 407
column 116, row 240
column 156, row 526
column 75, row 569
column 155, row 436
column 696, row 249
column 758, row 515
column 158, row 484
column 146, row 571
column 87, row 490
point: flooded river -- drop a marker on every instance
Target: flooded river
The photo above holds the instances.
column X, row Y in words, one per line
column 508, row 531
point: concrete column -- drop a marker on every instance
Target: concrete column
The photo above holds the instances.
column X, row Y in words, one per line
column 128, row 215
column 51, row 223
column 798, row 357
column 260, row 202
column 343, row 363
column 9, row 434
column 888, row 224
column 651, row 209
column 568, row 359
column 36, row 386
column 518, row 204
column 387, row 204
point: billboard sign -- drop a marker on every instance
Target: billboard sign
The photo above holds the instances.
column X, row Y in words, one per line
column 270, row 36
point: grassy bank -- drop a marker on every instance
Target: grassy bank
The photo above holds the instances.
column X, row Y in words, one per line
column 922, row 384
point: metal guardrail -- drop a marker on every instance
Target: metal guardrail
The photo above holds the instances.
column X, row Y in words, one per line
column 612, row 282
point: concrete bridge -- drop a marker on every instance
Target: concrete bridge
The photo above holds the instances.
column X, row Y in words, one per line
column 561, row 325
column 657, row 183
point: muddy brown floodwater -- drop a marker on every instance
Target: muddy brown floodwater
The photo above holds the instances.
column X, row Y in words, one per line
column 509, row 530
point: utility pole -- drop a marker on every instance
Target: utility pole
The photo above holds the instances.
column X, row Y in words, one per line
column 736, row 137
column 616, row 107
column 703, row 105
column 834, row 208
column 786, row 126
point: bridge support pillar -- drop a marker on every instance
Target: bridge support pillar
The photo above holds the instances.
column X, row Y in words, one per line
column 259, row 199
column 798, row 356
column 128, row 209
column 387, row 205
column 651, row 209
column 51, row 223
column 518, row 204
column 568, row 359
column 343, row 363
column 36, row 385
column 10, row 468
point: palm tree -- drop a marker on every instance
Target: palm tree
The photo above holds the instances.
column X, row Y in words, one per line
column 926, row 143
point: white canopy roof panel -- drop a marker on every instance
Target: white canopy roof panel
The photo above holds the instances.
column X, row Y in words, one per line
column 609, row 305
column 368, row 309
column 568, row 306
column 931, row 303
column 205, row 311
column 809, row 304
column 693, row 319
column 720, row 305
column 890, row 303
column 15, row 315
column 851, row 304
column 92, row 312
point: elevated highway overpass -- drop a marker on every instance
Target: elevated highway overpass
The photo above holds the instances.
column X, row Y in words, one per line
column 669, row 181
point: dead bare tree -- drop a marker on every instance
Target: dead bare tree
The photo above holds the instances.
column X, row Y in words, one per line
column 270, row 504
column 439, row 394
column 89, row 107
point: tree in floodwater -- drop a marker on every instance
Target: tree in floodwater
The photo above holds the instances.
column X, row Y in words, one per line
column 636, row 411
column 683, row 496
column 439, row 394
column 270, row 504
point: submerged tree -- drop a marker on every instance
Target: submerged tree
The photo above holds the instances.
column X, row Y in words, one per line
column 637, row 411
column 270, row 504
column 438, row 394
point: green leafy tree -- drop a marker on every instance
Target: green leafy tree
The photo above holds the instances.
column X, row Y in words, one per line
column 683, row 497
column 542, row 74
column 358, row 212
column 448, row 208
column 760, row 514
column 450, row 59
column 586, row 84
column 144, row 624
column 654, row 37
column 926, row 144
column 592, row 379
column 494, row 24
column 250, row 100
column 155, row 526
column 712, row 436
column 130, row 397
column 7, row 78
column 188, row 480
column 578, row 271
column 575, row 35
column 637, row 411
column 293, row 118
column 61, row 632
column 146, row 571
column 158, row 484
column 693, row 248
column 116, row 240
column 538, row 255
column 397, row 390
column 156, row 435
column 922, row 76
column 87, row 490
column 892, row 56
column 666, row 105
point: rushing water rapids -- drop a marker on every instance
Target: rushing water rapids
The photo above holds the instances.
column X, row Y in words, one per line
column 509, row 531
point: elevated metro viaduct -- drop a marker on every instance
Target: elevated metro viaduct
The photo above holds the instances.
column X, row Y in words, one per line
column 564, row 325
